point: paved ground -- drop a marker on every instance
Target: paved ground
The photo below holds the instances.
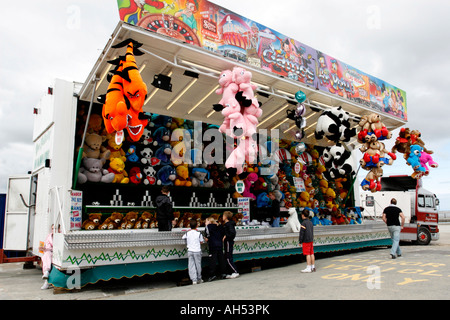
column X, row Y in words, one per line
column 422, row 273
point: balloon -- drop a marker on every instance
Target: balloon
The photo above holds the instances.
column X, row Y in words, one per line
column 300, row 148
column 300, row 96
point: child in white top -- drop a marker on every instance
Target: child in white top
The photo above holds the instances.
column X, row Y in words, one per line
column 194, row 239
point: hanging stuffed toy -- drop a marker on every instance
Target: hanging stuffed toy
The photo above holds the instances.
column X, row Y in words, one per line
column 126, row 95
column 241, row 111
column 414, row 161
column 335, row 125
column 114, row 110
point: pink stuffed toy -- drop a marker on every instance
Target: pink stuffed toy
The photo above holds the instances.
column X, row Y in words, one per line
column 248, row 182
column 243, row 79
column 246, row 150
column 425, row 159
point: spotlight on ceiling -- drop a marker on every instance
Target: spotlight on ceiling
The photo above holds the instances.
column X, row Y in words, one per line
column 161, row 81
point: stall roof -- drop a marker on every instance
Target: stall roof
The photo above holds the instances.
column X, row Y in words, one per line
column 193, row 98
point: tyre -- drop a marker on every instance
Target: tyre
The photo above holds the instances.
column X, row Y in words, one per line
column 423, row 236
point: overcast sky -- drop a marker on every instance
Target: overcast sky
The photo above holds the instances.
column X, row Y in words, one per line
column 405, row 43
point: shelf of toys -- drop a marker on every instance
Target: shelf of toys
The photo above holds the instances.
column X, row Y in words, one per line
column 125, row 179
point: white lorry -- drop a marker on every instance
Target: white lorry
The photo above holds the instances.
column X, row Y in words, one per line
column 417, row 204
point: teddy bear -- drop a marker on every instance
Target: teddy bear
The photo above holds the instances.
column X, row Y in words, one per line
column 149, row 175
column 117, row 166
column 304, row 199
column 144, row 221
column 184, row 220
column 237, row 218
column 378, row 128
column 129, row 220
column 115, row 149
column 402, row 142
column 371, row 157
column 166, row 176
column 415, row 139
column 201, row 178
column 372, row 180
column 92, row 222
column 92, row 171
column 176, row 218
column 112, row 222
column 198, row 217
column 384, row 152
column 93, row 148
column 182, row 178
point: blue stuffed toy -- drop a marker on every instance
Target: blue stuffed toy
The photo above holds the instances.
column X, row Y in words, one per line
column 414, row 158
column 161, row 136
column 131, row 154
column 164, row 153
column 263, row 200
column 166, row 176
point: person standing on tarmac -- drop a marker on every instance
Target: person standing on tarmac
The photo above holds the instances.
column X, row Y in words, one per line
column 391, row 215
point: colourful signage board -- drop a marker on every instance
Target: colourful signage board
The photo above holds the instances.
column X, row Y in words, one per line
column 207, row 25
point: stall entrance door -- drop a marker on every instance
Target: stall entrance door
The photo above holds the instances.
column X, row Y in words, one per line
column 17, row 213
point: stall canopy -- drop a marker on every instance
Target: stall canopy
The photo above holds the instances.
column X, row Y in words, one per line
column 194, row 71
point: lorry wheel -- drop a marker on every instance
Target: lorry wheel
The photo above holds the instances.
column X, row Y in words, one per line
column 423, row 236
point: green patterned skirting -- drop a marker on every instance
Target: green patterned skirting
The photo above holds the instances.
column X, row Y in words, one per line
column 83, row 277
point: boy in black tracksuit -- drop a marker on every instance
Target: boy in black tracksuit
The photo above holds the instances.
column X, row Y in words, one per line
column 228, row 242
column 214, row 234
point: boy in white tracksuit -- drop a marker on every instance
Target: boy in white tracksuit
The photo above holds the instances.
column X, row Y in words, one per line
column 194, row 239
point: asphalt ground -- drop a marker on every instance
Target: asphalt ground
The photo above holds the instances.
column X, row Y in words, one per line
column 422, row 273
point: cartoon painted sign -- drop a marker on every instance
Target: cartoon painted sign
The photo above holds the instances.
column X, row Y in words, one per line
column 205, row 24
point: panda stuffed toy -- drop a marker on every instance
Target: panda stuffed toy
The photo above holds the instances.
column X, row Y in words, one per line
column 338, row 162
column 335, row 125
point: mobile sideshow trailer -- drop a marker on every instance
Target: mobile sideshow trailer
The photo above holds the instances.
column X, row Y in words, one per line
column 181, row 64
column 417, row 204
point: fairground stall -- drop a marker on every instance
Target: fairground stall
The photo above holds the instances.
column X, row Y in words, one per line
column 225, row 111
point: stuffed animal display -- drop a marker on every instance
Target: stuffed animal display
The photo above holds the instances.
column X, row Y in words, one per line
column 165, row 156
column 241, row 111
column 117, row 220
column 375, row 156
column 415, row 153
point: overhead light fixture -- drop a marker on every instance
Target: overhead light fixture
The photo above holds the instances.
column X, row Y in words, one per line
column 211, row 113
column 155, row 90
column 279, row 124
column 161, row 81
column 259, row 85
column 103, row 76
column 198, row 66
column 203, row 99
column 190, row 84
column 322, row 104
column 286, row 93
column 274, row 114
column 143, row 67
